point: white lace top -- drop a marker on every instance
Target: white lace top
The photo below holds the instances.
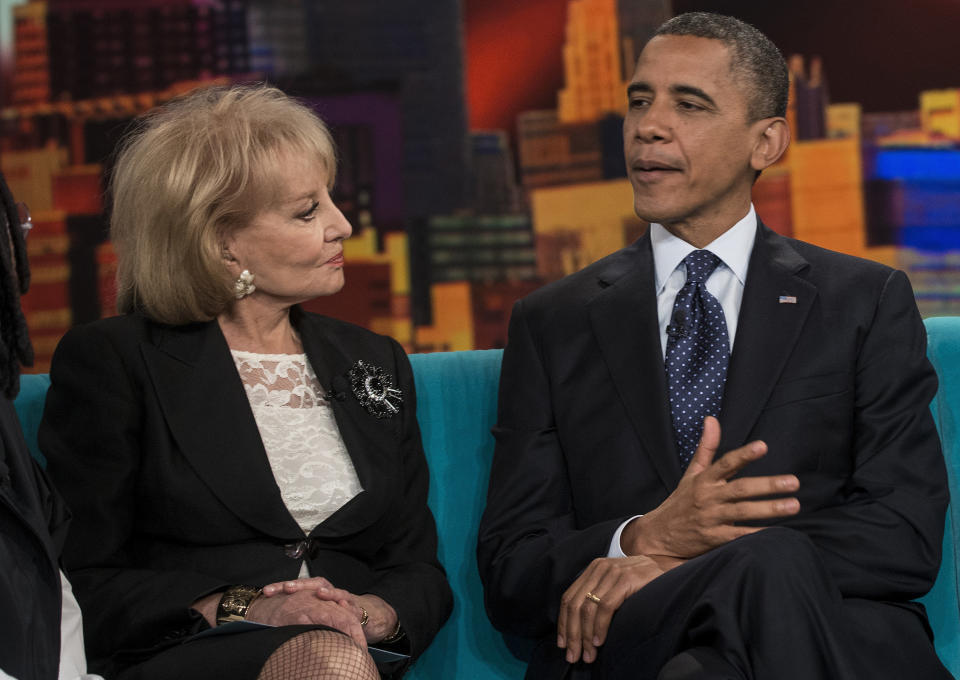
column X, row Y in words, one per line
column 309, row 460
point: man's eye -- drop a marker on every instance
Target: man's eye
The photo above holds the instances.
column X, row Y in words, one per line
column 639, row 103
column 689, row 106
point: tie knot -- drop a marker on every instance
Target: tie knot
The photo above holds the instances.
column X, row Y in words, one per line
column 700, row 265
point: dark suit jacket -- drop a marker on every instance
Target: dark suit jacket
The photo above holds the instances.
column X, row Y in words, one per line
column 33, row 521
column 153, row 443
column 838, row 386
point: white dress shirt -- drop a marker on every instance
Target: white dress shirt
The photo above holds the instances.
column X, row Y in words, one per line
column 733, row 247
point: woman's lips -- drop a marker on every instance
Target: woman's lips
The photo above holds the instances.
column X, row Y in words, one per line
column 336, row 261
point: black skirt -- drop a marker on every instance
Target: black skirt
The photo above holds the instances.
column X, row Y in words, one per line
column 238, row 656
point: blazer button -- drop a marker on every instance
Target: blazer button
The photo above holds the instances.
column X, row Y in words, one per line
column 296, row 550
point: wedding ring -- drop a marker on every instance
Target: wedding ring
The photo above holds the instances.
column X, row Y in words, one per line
column 364, row 618
column 593, row 598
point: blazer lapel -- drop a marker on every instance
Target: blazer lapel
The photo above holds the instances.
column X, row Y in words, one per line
column 372, row 443
column 206, row 407
column 624, row 319
column 776, row 301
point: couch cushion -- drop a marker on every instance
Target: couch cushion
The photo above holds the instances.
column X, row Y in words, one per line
column 456, row 407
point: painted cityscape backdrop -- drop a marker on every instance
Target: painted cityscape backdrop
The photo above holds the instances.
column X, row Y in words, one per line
column 452, row 224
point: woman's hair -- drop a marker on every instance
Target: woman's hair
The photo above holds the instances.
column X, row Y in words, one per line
column 15, row 348
column 191, row 172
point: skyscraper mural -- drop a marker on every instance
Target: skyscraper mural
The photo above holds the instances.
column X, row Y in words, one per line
column 480, row 142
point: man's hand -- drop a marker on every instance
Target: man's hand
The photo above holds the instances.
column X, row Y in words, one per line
column 703, row 511
column 583, row 622
column 381, row 617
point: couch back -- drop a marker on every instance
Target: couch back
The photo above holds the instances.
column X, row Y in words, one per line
column 943, row 600
column 456, row 407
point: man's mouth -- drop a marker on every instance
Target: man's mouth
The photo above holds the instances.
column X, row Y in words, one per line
column 653, row 167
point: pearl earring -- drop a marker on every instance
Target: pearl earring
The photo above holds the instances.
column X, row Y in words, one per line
column 243, row 286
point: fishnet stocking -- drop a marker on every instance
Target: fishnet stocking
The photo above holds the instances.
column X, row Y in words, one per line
column 319, row 655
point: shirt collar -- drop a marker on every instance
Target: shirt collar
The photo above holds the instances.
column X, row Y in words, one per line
column 733, row 247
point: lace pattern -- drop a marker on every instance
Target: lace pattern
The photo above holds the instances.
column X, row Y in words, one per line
column 306, row 452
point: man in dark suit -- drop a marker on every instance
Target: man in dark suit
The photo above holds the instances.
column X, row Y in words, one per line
column 631, row 532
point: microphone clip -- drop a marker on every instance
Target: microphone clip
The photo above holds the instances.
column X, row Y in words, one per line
column 676, row 331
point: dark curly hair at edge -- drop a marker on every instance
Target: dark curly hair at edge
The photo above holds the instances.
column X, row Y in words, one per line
column 753, row 57
column 15, row 348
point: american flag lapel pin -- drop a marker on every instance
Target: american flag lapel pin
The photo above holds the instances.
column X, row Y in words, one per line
column 788, row 299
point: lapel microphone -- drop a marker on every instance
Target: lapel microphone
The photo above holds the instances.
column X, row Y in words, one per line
column 677, row 328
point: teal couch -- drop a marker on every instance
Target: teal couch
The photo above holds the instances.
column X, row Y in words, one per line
column 456, row 405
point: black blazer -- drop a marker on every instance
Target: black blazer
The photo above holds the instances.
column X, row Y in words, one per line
column 837, row 384
column 33, row 521
column 152, row 441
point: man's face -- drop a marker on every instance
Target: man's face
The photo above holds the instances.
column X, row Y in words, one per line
column 687, row 138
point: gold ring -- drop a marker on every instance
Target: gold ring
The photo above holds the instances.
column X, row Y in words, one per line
column 364, row 618
column 593, row 598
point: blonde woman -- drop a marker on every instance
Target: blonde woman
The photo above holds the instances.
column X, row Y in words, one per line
column 216, row 438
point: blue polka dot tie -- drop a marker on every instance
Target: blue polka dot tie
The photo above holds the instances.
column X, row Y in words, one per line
column 698, row 352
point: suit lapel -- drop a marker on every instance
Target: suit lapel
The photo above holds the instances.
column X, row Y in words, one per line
column 624, row 320
column 372, row 443
column 206, row 408
column 767, row 331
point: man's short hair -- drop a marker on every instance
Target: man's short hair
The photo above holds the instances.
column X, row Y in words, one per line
column 752, row 56
column 192, row 172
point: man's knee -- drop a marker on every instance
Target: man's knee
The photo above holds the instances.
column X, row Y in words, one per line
column 777, row 552
column 775, row 545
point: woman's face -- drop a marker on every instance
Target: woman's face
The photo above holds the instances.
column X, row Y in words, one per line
column 294, row 246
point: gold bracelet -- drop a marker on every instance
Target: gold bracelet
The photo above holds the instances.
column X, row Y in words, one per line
column 364, row 618
column 396, row 635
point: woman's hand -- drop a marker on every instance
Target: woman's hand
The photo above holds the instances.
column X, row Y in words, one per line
column 296, row 585
column 381, row 617
column 306, row 607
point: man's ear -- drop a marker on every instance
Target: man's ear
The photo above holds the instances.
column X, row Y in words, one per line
column 773, row 136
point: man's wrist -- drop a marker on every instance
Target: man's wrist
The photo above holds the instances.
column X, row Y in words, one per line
column 635, row 539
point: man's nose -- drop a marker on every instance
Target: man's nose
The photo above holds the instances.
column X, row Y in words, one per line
column 653, row 125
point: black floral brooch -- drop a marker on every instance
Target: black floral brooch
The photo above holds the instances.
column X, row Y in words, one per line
column 374, row 389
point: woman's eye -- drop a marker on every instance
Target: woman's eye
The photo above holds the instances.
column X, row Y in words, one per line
column 308, row 214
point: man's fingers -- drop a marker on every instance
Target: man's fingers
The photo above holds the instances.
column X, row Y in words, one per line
column 572, row 634
column 611, row 601
column 707, row 448
column 750, row 510
column 568, row 623
column 572, row 609
column 752, row 487
column 590, row 609
column 735, row 460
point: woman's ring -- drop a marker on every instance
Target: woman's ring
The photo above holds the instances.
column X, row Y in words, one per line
column 364, row 618
column 593, row 598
